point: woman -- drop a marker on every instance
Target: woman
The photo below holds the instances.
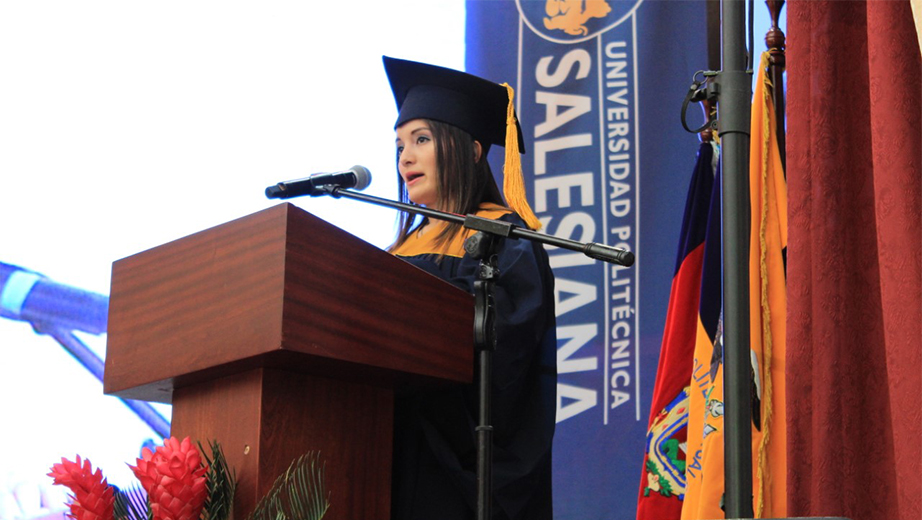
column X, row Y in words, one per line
column 447, row 122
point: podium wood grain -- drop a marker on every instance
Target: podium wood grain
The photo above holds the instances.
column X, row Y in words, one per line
column 277, row 334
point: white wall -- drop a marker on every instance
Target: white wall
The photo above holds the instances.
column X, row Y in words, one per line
column 127, row 124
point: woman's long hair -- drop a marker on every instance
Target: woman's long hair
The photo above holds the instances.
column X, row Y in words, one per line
column 463, row 183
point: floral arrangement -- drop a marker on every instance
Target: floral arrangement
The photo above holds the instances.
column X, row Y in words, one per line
column 177, row 482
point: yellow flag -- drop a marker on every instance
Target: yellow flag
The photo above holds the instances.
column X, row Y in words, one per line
column 767, row 300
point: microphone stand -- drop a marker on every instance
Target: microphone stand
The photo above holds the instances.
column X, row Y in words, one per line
column 483, row 246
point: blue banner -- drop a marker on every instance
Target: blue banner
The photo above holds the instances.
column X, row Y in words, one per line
column 599, row 86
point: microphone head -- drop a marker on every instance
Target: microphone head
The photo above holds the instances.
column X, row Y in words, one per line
column 275, row 192
column 362, row 177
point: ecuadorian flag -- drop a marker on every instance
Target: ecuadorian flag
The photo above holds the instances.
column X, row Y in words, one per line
column 662, row 486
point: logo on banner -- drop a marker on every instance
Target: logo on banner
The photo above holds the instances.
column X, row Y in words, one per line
column 570, row 21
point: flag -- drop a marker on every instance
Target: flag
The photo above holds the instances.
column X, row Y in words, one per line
column 767, row 308
column 662, row 485
column 705, row 395
column 768, row 301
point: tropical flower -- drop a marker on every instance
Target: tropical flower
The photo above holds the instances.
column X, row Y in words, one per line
column 178, row 482
column 174, row 478
column 93, row 498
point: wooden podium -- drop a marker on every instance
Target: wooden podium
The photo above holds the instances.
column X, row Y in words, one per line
column 277, row 334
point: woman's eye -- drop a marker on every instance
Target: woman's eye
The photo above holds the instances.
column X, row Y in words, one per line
column 399, row 150
column 422, row 139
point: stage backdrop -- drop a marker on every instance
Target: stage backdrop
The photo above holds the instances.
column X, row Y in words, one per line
column 599, row 88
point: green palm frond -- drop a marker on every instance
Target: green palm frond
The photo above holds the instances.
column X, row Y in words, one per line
column 132, row 504
column 222, row 483
column 298, row 494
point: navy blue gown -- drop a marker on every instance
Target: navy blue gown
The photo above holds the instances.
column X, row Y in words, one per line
column 434, row 439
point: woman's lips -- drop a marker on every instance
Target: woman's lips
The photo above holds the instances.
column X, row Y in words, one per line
column 412, row 177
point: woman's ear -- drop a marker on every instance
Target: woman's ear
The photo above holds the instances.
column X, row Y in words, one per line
column 478, row 150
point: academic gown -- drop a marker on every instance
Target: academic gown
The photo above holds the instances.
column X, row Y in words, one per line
column 435, row 444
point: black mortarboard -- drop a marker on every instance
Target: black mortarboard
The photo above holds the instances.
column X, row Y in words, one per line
column 479, row 107
column 473, row 104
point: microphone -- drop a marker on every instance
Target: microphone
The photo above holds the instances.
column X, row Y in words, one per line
column 357, row 177
column 29, row 296
column 609, row 254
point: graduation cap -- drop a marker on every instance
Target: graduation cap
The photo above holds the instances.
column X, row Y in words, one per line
column 479, row 107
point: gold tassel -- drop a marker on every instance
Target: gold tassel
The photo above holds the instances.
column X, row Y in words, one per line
column 513, row 182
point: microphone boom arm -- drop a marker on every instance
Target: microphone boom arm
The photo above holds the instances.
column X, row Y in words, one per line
column 594, row 250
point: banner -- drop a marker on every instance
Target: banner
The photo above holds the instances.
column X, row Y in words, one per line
column 599, row 85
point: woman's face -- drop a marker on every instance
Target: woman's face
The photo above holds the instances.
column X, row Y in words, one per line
column 416, row 162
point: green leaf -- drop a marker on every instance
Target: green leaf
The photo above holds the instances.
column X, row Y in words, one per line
column 221, row 484
column 297, row 494
column 132, row 504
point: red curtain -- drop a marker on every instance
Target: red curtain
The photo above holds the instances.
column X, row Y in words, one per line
column 854, row 341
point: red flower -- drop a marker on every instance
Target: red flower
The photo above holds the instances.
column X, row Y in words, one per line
column 174, row 478
column 93, row 498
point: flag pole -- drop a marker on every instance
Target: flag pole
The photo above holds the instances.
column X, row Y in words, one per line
column 734, row 112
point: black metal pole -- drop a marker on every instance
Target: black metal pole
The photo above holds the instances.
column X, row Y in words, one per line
column 734, row 112
column 483, row 246
column 485, row 436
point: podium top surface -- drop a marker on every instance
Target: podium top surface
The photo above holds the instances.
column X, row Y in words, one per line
column 280, row 288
